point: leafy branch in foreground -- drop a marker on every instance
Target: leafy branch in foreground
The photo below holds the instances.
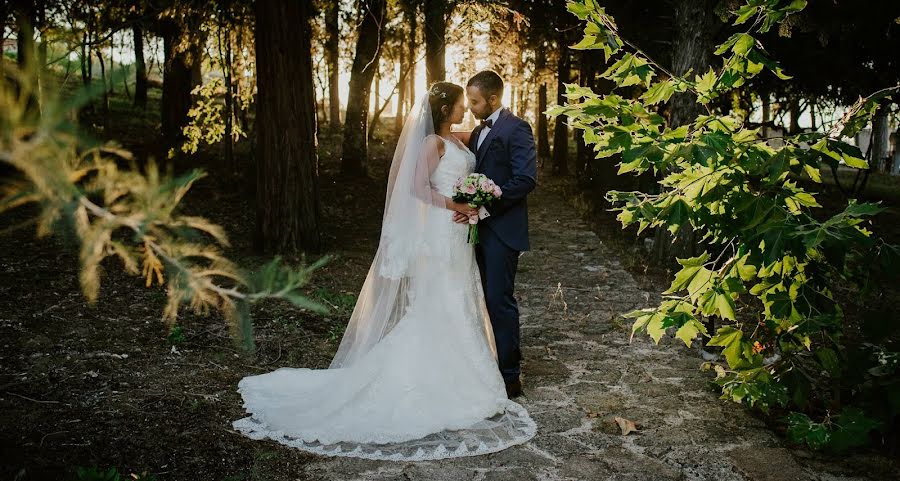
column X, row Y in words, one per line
column 776, row 267
column 129, row 215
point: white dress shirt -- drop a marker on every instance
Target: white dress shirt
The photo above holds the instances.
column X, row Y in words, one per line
column 484, row 132
column 482, row 211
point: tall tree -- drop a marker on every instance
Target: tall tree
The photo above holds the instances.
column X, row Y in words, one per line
column 560, row 129
column 583, row 154
column 435, row 40
column 332, row 55
column 182, row 50
column 880, row 138
column 26, row 13
column 354, row 154
column 696, row 26
column 287, row 187
column 410, row 14
column 543, row 137
column 140, row 67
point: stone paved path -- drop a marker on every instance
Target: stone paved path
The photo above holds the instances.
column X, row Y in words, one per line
column 580, row 372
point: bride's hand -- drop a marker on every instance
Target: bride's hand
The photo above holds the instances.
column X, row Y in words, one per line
column 464, row 209
column 460, row 218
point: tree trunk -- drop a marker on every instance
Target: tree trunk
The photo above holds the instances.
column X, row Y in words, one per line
column 766, row 115
column 435, row 38
column 105, row 105
column 86, row 69
column 227, row 70
column 180, row 52
column 332, row 55
column 413, row 22
column 287, row 185
column 895, row 160
column 25, row 45
column 401, row 94
column 376, row 92
column 691, row 49
column 27, row 55
column 125, row 70
column 560, row 129
column 812, row 114
column 584, row 155
column 112, row 64
column 140, row 67
column 880, row 138
column 794, row 105
column 368, row 50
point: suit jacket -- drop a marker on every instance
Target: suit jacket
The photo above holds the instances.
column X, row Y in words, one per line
column 508, row 157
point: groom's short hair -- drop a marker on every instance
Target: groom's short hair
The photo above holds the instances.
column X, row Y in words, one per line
column 488, row 82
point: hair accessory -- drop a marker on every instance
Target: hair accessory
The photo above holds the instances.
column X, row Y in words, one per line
column 434, row 92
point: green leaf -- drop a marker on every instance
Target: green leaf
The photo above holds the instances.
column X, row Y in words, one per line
column 725, row 306
column 744, row 13
column 689, row 330
column 659, row 92
column 813, row 173
column 691, row 273
column 730, row 339
column 743, row 44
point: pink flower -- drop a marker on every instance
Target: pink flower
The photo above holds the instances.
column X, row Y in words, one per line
column 471, row 189
column 486, row 186
column 497, row 191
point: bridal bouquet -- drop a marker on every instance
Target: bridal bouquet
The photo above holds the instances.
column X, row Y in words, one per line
column 476, row 190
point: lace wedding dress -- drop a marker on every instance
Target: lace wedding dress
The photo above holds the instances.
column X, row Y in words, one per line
column 426, row 385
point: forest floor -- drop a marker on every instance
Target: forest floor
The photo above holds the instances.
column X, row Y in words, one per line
column 111, row 385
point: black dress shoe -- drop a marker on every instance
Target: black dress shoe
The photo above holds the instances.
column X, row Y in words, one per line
column 513, row 389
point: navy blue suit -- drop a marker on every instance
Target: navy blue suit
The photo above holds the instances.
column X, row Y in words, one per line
column 508, row 157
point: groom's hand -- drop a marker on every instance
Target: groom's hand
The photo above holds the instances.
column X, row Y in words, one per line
column 460, row 218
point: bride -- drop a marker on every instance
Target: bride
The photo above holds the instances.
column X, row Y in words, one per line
column 415, row 376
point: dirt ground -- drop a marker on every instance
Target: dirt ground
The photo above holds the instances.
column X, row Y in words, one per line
column 107, row 385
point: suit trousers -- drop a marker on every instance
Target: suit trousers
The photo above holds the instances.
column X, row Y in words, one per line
column 498, row 263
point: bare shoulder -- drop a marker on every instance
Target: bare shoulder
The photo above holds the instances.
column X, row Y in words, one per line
column 463, row 135
column 435, row 142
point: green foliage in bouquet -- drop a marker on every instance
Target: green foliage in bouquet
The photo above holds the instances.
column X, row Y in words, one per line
column 771, row 266
column 82, row 191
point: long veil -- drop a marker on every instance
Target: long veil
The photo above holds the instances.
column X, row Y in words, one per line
column 385, row 294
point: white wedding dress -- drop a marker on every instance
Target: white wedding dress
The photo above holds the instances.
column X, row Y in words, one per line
column 428, row 387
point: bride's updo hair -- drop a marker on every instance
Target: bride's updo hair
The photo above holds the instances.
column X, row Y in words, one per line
column 440, row 95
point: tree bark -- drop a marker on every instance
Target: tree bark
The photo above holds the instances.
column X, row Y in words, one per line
column 584, row 155
column 227, row 70
column 181, row 56
column 401, row 93
column 435, row 39
column 794, row 105
column 332, row 55
column 368, row 50
column 105, row 105
column 27, row 55
column 413, row 22
column 692, row 47
column 140, row 67
column 895, row 160
column 543, row 137
column 287, row 187
column 112, row 64
column 880, row 138
column 560, row 129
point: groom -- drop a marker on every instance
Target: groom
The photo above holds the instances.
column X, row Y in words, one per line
column 505, row 153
